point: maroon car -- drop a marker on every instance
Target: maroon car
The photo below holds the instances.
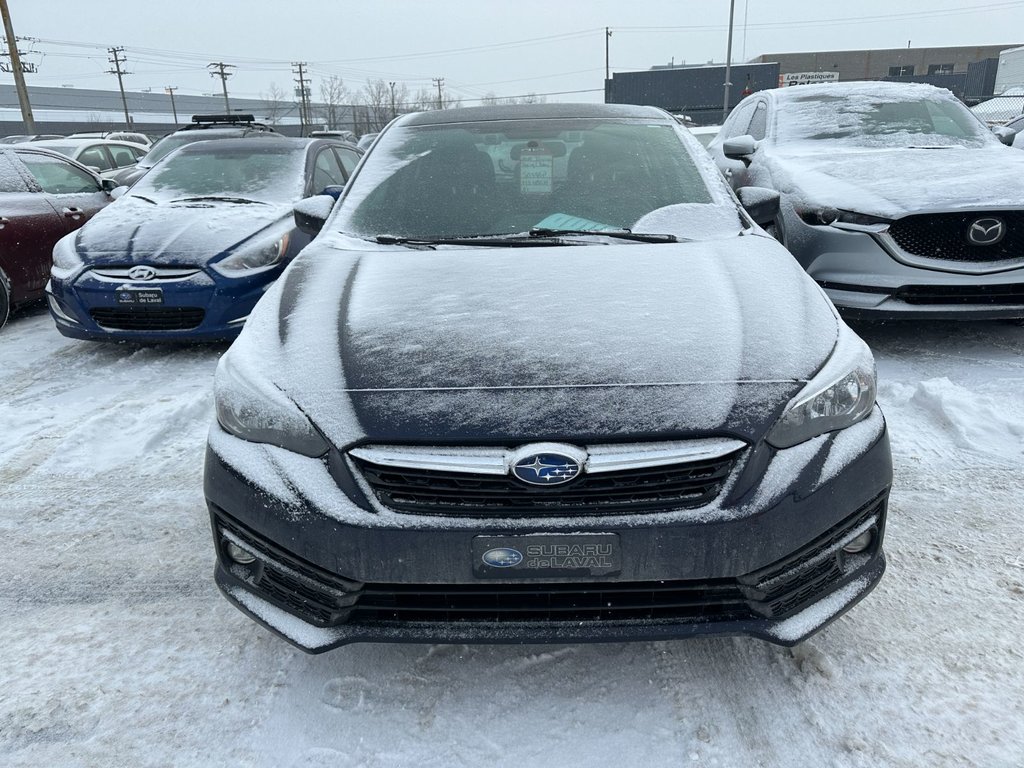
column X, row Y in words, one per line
column 43, row 196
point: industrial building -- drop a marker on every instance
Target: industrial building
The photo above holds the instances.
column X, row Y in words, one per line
column 970, row 72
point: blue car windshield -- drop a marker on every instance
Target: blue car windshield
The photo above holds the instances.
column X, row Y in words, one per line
column 272, row 173
column 504, row 177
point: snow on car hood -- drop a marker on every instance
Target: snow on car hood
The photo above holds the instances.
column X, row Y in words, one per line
column 541, row 343
column 133, row 231
column 895, row 182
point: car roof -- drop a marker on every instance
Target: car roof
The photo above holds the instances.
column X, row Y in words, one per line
column 535, row 111
column 86, row 140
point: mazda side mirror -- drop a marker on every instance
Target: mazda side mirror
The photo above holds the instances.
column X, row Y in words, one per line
column 1004, row 134
column 760, row 203
column 739, row 147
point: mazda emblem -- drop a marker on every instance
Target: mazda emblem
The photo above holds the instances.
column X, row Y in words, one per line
column 141, row 272
column 986, row 231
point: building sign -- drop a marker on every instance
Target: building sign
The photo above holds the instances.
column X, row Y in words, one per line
column 804, row 78
column 26, row 67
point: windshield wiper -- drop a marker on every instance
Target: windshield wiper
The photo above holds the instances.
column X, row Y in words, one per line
column 143, row 197
column 619, row 234
column 219, row 198
column 486, row 241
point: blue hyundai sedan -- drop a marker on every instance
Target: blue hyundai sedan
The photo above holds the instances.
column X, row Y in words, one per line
column 186, row 253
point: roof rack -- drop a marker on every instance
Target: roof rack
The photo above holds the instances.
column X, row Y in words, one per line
column 239, row 118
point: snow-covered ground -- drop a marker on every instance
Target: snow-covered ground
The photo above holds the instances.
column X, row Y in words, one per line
column 117, row 650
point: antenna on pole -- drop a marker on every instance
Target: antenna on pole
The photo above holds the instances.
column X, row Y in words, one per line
column 439, row 82
column 299, row 68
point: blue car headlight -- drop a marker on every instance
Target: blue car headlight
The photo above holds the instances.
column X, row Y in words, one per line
column 253, row 408
column 840, row 394
column 250, row 260
column 66, row 261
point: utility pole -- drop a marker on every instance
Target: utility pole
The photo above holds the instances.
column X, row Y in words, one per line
column 439, row 82
column 394, row 112
column 728, row 62
column 19, row 76
column 299, row 68
column 607, row 60
column 220, row 69
column 170, row 92
column 117, row 61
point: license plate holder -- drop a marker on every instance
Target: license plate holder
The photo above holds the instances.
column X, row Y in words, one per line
column 546, row 555
column 140, row 296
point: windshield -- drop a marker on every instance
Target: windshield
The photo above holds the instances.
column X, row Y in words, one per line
column 870, row 119
column 494, row 178
column 271, row 174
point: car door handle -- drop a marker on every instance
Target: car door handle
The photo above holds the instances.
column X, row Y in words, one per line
column 73, row 213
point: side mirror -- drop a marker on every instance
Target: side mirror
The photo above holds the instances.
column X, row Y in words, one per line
column 118, row 191
column 760, row 203
column 334, row 190
column 1004, row 134
column 739, row 147
column 311, row 214
column 108, row 185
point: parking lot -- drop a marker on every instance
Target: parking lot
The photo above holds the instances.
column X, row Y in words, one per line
column 116, row 649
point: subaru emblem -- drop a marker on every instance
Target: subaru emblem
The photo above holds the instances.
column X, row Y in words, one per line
column 502, row 557
column 547, row 464
column 986, row 231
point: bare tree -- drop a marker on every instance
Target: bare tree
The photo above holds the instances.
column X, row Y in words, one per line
column 275, row 104
column 333, row 96
column 376, row 97
column 427, row 98
column 491, row 99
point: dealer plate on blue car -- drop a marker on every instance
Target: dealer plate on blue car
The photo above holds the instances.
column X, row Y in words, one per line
column 140, row 296
column 546, row 555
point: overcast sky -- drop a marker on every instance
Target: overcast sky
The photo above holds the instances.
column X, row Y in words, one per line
column 500, row 46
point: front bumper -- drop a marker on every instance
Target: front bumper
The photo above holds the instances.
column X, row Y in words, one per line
column 201, row 308
column 770, row 565
column 866, row 276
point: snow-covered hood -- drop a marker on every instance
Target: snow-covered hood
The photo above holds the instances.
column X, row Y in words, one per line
column 630, row 340
column 133, row 231
column 896, row 182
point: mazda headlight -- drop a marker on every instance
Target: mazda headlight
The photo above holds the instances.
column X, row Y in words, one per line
column 253, row 408
column 817, row 215
column 249, row 260
column 66, row 260
column 842, row 393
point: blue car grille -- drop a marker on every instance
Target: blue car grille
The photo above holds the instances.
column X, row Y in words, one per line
column 148, row 318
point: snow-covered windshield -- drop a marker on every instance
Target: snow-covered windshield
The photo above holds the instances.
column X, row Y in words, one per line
column 874, row 116
column 271, row 173
column 503, row 177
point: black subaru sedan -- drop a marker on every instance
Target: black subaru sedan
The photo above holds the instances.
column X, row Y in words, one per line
column 542, row 377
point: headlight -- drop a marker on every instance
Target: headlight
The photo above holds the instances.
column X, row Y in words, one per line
column 66, row 260
column 251, row 407
column 841, row 394
column 828, row 216
column 251, row 259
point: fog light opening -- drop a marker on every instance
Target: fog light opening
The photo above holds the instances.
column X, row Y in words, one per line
column 860, row 543
column 239, row 555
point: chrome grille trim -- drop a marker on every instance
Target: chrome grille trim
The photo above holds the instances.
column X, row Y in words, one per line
column 600, row 458
column 163, row 274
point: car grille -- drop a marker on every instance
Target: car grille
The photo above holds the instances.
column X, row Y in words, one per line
column 778, row 591
column 1012, row 294
column 149, row 318
column 684, row 485
column 944, row 236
